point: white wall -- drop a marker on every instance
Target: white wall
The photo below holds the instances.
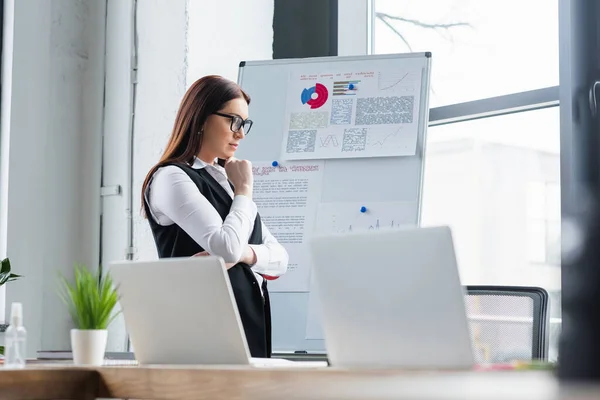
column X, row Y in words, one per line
column 51, row 136
column 223, row 33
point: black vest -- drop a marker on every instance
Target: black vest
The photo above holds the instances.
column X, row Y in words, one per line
column 172, row 241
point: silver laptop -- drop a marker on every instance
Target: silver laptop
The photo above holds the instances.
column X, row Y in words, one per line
column 392, row 299
column 182, row 311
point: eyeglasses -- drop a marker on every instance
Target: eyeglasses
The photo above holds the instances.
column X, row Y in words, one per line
column 237, row 122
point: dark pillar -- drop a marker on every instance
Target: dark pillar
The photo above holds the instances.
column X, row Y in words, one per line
column 579, row 349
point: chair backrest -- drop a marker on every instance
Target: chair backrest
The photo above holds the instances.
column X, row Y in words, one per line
column 508, row 323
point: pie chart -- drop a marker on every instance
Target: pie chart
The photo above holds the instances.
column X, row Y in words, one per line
column 315, row 96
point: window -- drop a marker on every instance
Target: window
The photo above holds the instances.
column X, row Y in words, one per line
column 480, row 48
column 478, row 179
column 543, row 215
column 494, row 181
column 555, row 313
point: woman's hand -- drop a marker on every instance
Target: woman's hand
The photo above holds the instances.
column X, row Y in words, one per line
column 239, row 173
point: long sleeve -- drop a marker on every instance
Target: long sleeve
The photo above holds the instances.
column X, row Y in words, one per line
column 271, row 257
column 174, row 198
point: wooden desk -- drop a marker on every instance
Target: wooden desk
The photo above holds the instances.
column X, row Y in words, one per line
column 170, row 382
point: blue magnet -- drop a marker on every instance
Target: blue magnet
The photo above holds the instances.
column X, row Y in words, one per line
column 363, row 209
column 351, row 86
column 274, row 163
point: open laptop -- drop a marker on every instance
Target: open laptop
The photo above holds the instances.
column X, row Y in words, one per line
column 391, row 299
column 182, row 311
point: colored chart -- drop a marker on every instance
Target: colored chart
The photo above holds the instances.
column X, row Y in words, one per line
column 345, row 88
column 315, row 102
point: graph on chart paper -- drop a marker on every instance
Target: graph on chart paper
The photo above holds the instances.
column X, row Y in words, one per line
column 352, row 114
column 347, row 217
column 387, row 138
column 398, row 82
column 330, row 140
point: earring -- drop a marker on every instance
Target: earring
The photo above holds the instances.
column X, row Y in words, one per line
column 200, row 132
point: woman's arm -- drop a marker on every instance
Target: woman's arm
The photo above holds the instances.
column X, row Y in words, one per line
column 270, row 258
column 175, row 198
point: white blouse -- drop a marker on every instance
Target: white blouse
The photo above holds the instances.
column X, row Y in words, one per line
column 174, row 198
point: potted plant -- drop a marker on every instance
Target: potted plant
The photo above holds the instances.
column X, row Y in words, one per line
column 91, row 300
column 5, row 273
column 6, row 276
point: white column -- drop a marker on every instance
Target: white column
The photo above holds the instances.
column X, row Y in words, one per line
column 355, row 25
column 116, row 144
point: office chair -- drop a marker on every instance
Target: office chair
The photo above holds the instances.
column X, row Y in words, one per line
column 508, row 323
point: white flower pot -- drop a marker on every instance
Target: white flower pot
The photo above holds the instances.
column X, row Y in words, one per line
column 88, row 346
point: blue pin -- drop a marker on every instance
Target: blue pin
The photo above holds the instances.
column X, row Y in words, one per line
column 363, row 209
column 274, row 163
column 351, row 86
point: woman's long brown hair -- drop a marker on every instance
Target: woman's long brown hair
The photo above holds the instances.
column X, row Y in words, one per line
column 206, row 96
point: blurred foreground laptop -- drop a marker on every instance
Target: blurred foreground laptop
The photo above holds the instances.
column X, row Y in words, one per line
column 392, row 299
column 182, row 311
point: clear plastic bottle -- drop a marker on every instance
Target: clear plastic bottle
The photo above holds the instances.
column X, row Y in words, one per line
column 15, row 339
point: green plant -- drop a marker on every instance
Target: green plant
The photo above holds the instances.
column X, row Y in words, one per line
column 91, row 298
column 5, row 274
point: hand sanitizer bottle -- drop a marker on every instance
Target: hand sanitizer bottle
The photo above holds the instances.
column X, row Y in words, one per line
column 15, row 339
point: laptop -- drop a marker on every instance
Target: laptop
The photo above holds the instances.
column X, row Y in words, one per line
column 391, row 298
column 182, row 311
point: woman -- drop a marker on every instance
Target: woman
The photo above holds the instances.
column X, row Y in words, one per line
column 198, row 201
